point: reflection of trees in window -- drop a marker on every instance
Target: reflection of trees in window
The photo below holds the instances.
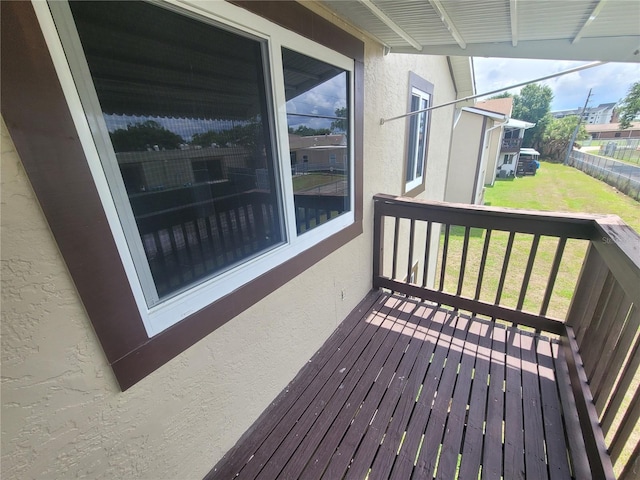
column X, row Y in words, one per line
column 342, row 124
column 305, row 131
column 248, row 135
column 147, row 135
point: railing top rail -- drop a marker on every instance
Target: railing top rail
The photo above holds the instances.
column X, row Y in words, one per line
column 615, row 241
column 558, row 224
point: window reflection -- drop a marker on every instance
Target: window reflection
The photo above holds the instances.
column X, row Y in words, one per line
column 318, row 123
column 185, row 106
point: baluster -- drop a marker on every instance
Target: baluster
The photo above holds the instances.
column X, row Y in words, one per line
column 463, row 260
column 505, row 266
column 527, row 272
column 396, row 234
column 427, row 249
column 412, row 232
column 555, row 267
column 483, row 262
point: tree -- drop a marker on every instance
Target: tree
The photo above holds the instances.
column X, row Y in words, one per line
column 143, row 136
column 341, row 124
column 305, row 131
column 501, row 95
column 630, row 106
column 533, row 104
column 557, row 136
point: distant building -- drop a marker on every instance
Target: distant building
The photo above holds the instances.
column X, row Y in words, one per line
column 612, row 130
column 603, row 113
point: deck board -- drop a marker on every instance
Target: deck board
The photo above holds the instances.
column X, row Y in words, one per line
column 408, row 390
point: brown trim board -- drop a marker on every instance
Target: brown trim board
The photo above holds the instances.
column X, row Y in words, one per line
column 38, row 118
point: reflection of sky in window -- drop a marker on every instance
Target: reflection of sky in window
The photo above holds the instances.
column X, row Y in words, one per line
column 322, row 100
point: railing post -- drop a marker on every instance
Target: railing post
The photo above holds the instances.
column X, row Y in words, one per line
column 378, row 236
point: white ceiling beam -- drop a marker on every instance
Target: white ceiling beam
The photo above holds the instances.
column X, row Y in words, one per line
column 513, row 13
column 391, row 24
column 594, row 14
column 446, row 19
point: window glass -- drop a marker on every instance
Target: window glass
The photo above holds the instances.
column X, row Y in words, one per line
column 318, row 125
column 188, row 119
column 417, row 138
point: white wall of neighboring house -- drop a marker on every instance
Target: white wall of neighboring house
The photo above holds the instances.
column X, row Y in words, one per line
column 465, row 153
column 493, row 155
column 64, row 415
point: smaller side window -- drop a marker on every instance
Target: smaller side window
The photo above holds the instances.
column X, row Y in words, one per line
column 420, row 98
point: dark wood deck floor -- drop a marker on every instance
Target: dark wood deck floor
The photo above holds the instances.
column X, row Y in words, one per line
column 404, row 390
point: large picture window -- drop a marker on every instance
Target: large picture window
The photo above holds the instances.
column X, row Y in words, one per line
column 210, row 187
column 180, row 108
column 190, row 132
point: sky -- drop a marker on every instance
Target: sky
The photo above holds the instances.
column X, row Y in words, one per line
column 610, row 82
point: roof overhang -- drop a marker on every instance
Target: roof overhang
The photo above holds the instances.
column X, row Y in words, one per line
column 513, row 123
column 605, row 30
column 486, row 113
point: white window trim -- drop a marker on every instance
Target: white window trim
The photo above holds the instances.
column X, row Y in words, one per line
column 418, row 179
column 170, row 311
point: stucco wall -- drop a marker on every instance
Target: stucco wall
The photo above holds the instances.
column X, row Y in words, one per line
column 493, row 154
column 63, row 415
column 465, row 148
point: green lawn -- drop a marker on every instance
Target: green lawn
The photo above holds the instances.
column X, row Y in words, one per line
column 312, row 180
column 563, row 189
column 554, row 188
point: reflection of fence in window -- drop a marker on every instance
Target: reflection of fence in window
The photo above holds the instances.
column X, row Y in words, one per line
column 622, row 176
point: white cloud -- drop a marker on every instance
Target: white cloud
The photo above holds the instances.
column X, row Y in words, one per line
column 609, row 82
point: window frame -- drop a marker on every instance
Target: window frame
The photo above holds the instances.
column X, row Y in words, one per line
column 80, row 91
column 39, row 120
column 418, row 184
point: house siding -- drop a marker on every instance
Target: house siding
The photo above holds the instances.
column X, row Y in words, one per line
column 64, row 415
column 466, row 154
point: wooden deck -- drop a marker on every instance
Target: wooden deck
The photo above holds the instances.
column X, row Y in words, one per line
column 405, row 390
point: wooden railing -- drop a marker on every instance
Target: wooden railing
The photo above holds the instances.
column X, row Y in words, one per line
column 520, row 267
column 510, row 145
column 188, row 235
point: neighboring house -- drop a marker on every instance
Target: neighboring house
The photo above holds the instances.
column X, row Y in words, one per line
column 474, row 132
column 612, row 131
column 318, row 153
column 486, row 142
column 603, row 113
column 143, row 333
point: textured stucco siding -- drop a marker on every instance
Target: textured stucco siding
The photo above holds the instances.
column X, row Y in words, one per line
column 467, row 139
column 63, row 415
column 493, row 154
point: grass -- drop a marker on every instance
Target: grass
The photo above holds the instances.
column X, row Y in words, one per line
column 563, row 189
column 554, row 188
column 312, row 180
column 624, row 153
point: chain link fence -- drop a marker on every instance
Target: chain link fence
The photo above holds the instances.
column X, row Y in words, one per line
column 623, row 176
column 625, row 149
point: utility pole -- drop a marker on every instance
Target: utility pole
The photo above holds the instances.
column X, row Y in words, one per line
column 575, row 132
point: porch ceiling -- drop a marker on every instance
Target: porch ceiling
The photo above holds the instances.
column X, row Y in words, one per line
column 606, row 30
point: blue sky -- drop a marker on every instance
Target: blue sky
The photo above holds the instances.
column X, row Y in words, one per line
column 610, row 82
